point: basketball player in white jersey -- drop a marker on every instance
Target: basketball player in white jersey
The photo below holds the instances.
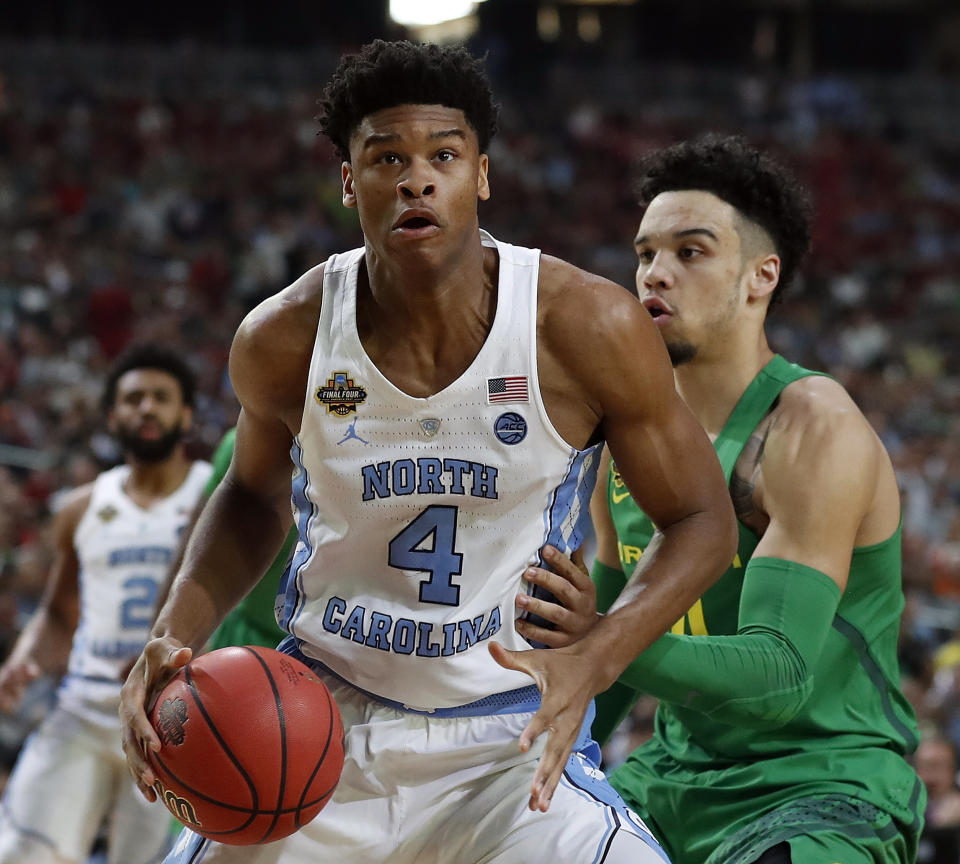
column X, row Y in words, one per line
column 115, row 539
column 443, row 396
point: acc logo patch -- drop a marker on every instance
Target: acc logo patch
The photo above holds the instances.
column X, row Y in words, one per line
column 510, row 428
column 341, row 395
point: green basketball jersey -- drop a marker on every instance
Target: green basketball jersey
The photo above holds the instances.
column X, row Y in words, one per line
column 719, row 793
column 252, row 621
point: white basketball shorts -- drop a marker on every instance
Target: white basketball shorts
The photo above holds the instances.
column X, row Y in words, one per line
column 449, row 787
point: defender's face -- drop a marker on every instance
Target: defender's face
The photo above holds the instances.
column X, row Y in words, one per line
column 690, row 268
column 415, row 175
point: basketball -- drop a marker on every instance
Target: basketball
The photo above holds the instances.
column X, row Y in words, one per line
column 251, row 745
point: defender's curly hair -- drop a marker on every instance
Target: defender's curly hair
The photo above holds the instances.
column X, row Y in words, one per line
column 383, row 74
column 147, row 355
column 761, row 190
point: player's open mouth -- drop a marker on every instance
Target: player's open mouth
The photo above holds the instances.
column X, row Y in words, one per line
column 658, row 310
column 416, row 222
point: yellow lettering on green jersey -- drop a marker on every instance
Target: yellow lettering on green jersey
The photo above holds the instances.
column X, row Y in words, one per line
column 737, row 563
column 698, row 624
column 629, row 554
column 693, row 623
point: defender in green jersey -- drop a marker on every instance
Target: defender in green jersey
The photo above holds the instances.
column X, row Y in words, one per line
column 252, row 621
column 782, row 732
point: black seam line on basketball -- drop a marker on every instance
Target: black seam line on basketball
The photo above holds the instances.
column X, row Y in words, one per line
column 251, row 787
column 323, row 755
column 283, row 738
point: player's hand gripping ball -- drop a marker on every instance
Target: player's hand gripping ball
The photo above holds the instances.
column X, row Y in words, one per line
column 251, row 745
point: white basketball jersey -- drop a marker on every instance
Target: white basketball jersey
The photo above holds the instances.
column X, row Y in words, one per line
column 125, row 553
column 418, row 516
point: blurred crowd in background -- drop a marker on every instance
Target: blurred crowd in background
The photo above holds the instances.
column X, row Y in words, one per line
column 158, row 194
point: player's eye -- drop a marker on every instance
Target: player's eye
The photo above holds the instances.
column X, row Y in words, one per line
column 645, row 256
column 389, row 158
column 689, row 252
column 446, row 156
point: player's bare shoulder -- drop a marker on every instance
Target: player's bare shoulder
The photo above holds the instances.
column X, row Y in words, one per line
column 819, row 440
column 597, row 348
column 818, row 408
column 270, row 356
column 572, row 301
column 68, row 511
column 592, row 325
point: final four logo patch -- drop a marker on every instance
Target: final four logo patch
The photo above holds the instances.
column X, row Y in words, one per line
column 108, row 513
column 341, row 395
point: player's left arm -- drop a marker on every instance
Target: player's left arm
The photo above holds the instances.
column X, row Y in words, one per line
column 819, row 473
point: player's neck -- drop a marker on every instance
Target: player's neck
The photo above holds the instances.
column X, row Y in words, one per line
column 712, row 383
column 420, row 295
column 151, row 481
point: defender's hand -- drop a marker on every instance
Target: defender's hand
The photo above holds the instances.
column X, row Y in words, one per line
column 566, row 682
column 159, row 662
column 574, row 613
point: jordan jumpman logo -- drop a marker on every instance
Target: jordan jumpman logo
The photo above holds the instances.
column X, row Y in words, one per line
column 352, row 433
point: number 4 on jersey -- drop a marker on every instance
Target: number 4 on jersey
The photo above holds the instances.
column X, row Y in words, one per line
column 439, row 524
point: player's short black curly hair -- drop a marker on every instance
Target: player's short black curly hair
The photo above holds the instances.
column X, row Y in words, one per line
column 383, row 74
column 146, row 355
column 761, row 190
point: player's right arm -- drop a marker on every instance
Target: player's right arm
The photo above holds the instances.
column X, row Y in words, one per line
column 44, row 645
column 247, row 518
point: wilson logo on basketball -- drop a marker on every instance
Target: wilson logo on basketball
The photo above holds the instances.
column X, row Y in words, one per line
column 179, row 807
column 170, row 720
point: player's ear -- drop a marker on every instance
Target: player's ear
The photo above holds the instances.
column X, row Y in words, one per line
column 483, row 185
column 349, row 196
column 764, row 277
column 186, row 418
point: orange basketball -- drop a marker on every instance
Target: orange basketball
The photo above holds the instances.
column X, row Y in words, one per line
column 252, row 745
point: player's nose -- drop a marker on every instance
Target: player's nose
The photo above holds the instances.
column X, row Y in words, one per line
column 654, row 274
column 417, row 182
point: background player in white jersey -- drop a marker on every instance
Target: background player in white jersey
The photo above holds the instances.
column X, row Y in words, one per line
column 115, row 539
column 478, row 380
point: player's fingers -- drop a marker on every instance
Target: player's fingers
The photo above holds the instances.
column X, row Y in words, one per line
column 133, row 749
column 520, row 661
column 159, row 667
column 539, row 723
column 560, row 587
column 552, row 612
column 543, row 635
column 552, row 763
column 572, row 568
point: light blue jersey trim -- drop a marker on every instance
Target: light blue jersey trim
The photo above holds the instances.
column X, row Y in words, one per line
column 190, row 848
column 291, row 583
column 518, row 701
column 570, row 508
column 559, row 529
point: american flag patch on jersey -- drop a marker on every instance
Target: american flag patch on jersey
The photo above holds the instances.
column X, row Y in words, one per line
column 512, row 388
